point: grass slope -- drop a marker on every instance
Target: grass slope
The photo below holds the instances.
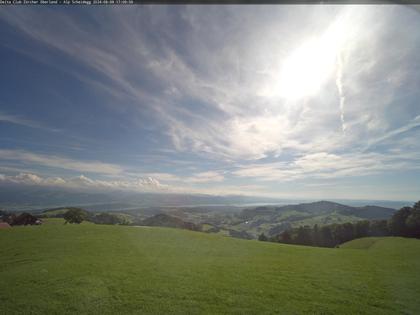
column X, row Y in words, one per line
column 94, row 269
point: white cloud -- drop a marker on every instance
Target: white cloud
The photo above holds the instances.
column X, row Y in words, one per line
column 324, row 165
column 138, row 184
column 195, row 178
column 147, row 184
column 204, row 177
column 32, row 179
column 164, row 176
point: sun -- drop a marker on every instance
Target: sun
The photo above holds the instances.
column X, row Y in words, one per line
column 307, row 68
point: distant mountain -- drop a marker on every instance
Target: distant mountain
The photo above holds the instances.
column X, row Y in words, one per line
column 165, row 220
column 55, row 213
column 320, row 207
column 30, row 197
column 14, row 197
column 272, row 220
column 371, row 212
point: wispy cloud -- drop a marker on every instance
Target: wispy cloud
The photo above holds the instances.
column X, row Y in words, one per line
column 59, row 162
column 326, row 165
column 205, row 177
column 201, row 177
column 339, row 82
column 17, row 120
column 412, row 124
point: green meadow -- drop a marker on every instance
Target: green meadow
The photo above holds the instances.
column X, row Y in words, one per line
column 99, row 269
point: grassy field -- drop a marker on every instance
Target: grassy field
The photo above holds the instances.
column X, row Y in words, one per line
column 94, row 269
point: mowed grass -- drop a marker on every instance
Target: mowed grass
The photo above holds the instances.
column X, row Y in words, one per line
column 97, row 269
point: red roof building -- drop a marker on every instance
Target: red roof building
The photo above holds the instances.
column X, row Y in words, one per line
column 4, row 225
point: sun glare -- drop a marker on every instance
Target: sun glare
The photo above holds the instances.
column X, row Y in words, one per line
column 304, row 72
column 307, row 68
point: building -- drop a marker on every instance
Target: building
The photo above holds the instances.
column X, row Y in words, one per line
column 4, row 225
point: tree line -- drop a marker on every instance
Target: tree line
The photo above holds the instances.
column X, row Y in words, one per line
column 78, row 215
column 405, row 222
column 72, row 215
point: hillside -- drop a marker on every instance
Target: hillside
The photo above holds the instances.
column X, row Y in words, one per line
column 96, row 269
column 55, row 212
column 241, row 222
column 164, row 220
column 321, row 207
column 273, row 220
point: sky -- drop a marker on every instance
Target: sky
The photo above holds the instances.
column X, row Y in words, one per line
column 280, row 101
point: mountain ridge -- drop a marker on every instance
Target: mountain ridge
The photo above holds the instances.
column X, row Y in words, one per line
column 321, row 207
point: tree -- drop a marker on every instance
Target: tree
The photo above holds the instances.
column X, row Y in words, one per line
column 397, row 223
column 413, row 223
column 379, row 228
column 304, row 235
column 326, row 237
column 316, row 236
column 285, row 237
column 343, row 232
column 262, row 237
column 75, row 215
column 23, row 219
column 361, row 229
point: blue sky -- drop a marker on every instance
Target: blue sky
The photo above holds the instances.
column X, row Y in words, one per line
column 286, row 101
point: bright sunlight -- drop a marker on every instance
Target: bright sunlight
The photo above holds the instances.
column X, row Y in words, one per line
column 307, row 68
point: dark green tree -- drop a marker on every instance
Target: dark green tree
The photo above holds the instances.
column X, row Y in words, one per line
column 262, row 237
column 361, row 229
column 285, row 237
column 343, row 232
column 397, row 223
column 413, row 222
column 327, row 237
column 378, row 228
column 75, row 215
column 304, row 235
column 316, row 236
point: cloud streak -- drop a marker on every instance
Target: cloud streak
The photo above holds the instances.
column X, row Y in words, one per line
column 339, row 82
column 58, row 162
column 325, row 165
column 13, row 119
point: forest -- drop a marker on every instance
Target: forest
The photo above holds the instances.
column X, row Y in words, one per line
column 405, row 222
